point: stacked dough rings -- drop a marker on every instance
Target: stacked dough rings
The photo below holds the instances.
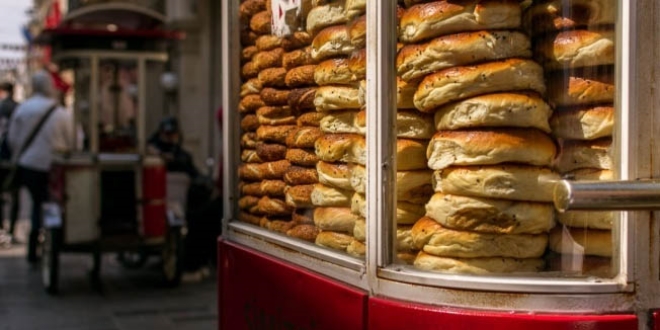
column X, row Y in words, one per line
column 576, row 46
column 492, row 152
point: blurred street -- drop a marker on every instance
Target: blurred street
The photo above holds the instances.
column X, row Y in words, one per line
column 132, row 299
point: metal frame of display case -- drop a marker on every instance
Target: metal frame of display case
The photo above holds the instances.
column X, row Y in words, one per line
column 636, row 286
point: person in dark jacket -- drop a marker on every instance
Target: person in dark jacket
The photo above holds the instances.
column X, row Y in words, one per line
column 7, row 106
column 166, row 142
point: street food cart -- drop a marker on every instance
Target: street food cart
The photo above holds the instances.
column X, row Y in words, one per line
column 113, row 195
column 445, row 131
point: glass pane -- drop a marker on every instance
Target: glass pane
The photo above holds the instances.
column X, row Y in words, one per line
column 78, row 73
column 303, row 122
column 118, row 105
column 491, row 113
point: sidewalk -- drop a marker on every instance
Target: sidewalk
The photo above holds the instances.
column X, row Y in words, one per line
column 133, row 299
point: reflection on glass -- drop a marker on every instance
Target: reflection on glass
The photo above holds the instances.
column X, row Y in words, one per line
column 118, row 105
column 506, row 106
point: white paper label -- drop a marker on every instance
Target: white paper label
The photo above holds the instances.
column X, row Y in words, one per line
column 286, row 17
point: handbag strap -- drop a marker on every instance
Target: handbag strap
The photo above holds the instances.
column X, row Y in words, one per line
column 34, row 132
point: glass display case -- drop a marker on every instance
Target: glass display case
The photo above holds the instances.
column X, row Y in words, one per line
column 490, row 155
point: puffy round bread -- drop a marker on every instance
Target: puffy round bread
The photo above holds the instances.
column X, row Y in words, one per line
column 276, row 115
column 356, row 248
column 584, row 123
column 406, row 213
column 249, row 71
column 412, row 186
column 354, row 8
column 576, row 49
column 251, row 87
column 311, row 119
column 333, row 71
column 333, row 240
column 409, row 124
column 417, row 60
column 513, row 182
column 332, row 41
column 341, row 122
column 338, row 219
column 268, row 42
column 432, row 238
column 323, row 195
column 270, row 152
column 357, row 63
column 404, row 241
column 260, row 22
column 360, row 230
column 247, row 53
column 478, row 266
column 591, row 242
column 459, row 83
column 250, row 156
column 357, row 32
column 300, row 76
column 265, row 171
column 276, row 134
column 296, row 58
column 273, row 188
column 589, row 174
column 487, row 215
column 302, row 99
column 489, row 147
column 336, row 97
column 274, row 206
column 249, row 8
column 495, row 110
column 405, row 94
column 327, row 15
column 334, row 175
column 303, row 137
column 249, row 218
column 429, row 20
column 299, row 197
column 337, row 147
column 301, row 157
column 556, row 15
column 304, row 232
column 587, row 86
column 296, row 175
column 268, row 59
column 406, row 257
column 585, row 154
column 250, row 103
column 275, row 97
column 250, row 123
column 410, row 154
column 588, row 219
column 249, row 140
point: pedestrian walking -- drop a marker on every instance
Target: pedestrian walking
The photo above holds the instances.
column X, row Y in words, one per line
column 7, row 106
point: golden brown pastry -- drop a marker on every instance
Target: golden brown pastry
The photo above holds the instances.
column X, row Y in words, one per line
column 249, row 8
column 249, row 140
column 341, row 122
column 591, row 242
column 268, row 42
column 410, row 124
column 323, row 195
column 336, row 147
column 247, row 53
column 337, row 219
column 250, row 156
column 310, row 118
column 300, row 76
column 586, row 123
column 489, row 147
column 429, row 20
column 478, row 266
column 586, row 86
column 273, row 77
column 250, row 123
column 268, row 59
column 334, row 175
column 249, row 70
column 333, row 71
column 252, row 86
column 302, row 99
column 297, row 40
column 303, row 217
column 417, row 60
column 357, row 63
column 250, row 103
column 487, row 215
column 248, row 37
column 304, row 232
column 333, row 240
column 248, row 202
column 336, row 97
column 555, row 15
column 273, row 188
column 360, row 230
column 265, row 171
column 303, row 137
column 585, row 154
column 302, row 157
column 296, row 176
column 356, row 249
column 296, row 58
column 326, row 15
column 576, row 49
column 249, row 218
column 495, row 110
column 299, row 197
column 412, row 186
column 513, row 182
column 357, row 32
column 459, row 83
column 432, row 238
column 274, row 206
column 331, row 42
column 270, row 152
column 276, row 134
column 276, row 116
column 275, row 97
column 260, row 22
column 406, row 213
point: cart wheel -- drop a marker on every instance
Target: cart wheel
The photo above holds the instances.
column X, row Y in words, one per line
column 50, row 259
column 173, row 257
column 132, row 259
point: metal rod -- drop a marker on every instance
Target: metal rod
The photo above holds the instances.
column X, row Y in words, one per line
column 607, row 195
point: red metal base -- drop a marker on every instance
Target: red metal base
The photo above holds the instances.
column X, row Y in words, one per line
column 261, row 292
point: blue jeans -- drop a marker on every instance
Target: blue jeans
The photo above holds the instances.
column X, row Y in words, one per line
column 37, row 184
